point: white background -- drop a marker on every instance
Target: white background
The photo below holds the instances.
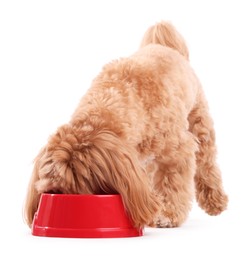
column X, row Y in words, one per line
column 49, row 53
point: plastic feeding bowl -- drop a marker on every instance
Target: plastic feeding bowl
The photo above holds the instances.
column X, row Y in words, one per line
column 82, row 216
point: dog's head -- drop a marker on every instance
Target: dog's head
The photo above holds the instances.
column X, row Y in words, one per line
column 88, row 161
column 62, row 166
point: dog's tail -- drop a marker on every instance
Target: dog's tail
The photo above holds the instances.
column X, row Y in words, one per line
column 92, row 162
column 165, row 34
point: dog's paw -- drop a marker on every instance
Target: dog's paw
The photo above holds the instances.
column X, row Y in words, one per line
column 212, row 201
column 162, row 222
column 165, row 221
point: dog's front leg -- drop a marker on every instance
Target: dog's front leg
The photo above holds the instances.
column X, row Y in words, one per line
column 173, row 180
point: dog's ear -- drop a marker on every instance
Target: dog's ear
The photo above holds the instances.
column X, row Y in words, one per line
column 115, row 168
column 32, row 197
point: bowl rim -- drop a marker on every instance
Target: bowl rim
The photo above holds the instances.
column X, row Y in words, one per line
column 80, row 195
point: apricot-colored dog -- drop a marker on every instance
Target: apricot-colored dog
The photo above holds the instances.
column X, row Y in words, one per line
column 143, row 130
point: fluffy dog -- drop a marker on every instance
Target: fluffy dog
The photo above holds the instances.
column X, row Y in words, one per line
column 142, row 130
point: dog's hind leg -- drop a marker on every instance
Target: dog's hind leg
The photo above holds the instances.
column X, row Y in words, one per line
column 208, row 182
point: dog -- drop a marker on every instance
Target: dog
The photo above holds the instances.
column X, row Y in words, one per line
column 142, row 130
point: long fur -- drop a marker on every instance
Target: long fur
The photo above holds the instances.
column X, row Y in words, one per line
column 143, row 130
column 165, row 34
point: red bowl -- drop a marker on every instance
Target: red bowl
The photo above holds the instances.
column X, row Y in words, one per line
column 82, row 216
